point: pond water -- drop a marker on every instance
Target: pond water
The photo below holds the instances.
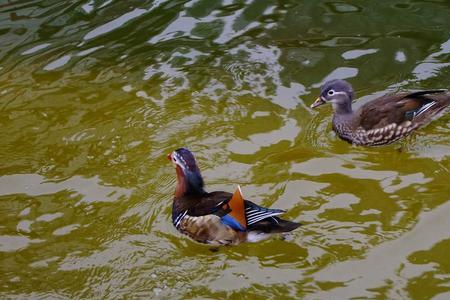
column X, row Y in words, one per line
column 95, row 93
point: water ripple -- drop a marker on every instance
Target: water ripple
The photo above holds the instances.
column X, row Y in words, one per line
column 96, row 93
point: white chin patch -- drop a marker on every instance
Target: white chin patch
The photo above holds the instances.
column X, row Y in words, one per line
column 254, row 237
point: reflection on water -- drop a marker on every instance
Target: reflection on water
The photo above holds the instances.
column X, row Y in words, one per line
column 96, row 93
column 398, row 264
column 90, row 189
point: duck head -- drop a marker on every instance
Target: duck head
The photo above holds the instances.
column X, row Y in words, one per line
column 337, row 92
column 189, row 179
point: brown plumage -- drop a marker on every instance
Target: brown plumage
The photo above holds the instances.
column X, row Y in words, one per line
column 383, row 120
column 218, row 218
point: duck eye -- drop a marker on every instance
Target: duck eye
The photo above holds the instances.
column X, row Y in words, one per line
column 330, row 93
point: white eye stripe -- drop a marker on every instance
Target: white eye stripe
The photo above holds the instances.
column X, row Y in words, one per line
column 337, row 93
column 178, row 157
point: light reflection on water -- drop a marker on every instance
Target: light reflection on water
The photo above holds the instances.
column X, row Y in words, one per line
column 96, row 93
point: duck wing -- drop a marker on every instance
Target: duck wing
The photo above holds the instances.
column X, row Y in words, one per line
column 233, row 210
column 398, row 109
column 209, row 203
column 229, row 207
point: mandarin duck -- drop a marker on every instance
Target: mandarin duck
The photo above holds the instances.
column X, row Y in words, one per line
column 383, row 120
column 218, row 218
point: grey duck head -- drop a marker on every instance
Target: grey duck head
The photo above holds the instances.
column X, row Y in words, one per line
column 337, row 92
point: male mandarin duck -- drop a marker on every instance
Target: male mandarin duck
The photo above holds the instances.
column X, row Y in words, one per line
column 218, row 218
column 383, row 120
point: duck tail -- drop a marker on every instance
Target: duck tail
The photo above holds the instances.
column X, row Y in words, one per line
column 435, row 107
column 274, row 225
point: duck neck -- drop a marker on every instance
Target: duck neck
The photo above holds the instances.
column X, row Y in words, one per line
column 343, row 108
column 188, row 183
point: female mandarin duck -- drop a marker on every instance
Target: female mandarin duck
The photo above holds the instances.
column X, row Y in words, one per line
column 218, row 218
column 383, row 120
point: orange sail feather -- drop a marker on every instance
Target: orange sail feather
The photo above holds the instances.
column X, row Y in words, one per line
column 238, row 208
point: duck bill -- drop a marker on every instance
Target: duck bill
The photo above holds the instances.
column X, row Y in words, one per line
column 319, row 101
column 169, row 156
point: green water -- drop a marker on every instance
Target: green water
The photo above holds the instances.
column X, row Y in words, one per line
column 94, row 94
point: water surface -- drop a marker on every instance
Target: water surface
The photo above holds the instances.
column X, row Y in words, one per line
column 94, row 94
